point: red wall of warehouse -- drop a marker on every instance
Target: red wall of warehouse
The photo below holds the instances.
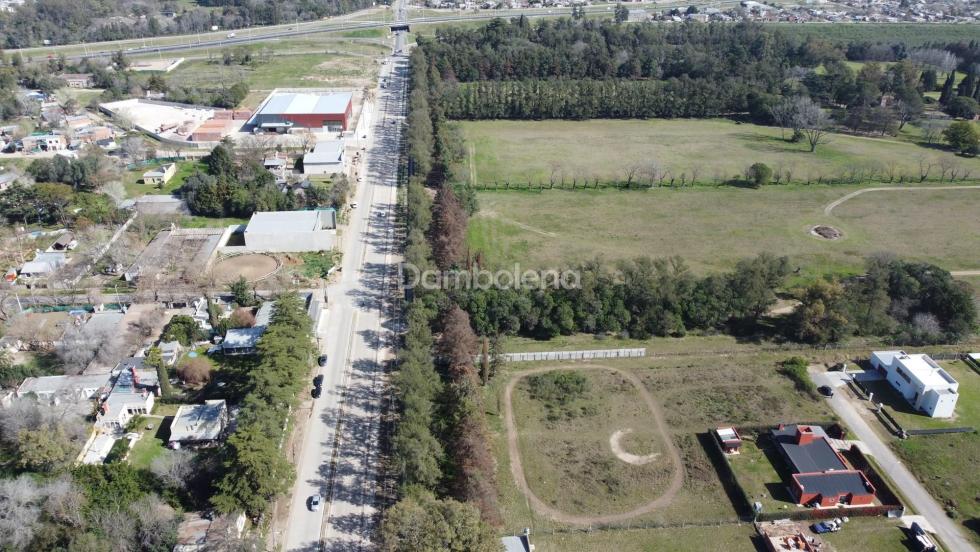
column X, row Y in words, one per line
column 314, row 121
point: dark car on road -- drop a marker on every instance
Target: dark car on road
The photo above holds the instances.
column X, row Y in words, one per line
column 322, row 361
column 825, row 390
column 318, row 381
column 316, row 392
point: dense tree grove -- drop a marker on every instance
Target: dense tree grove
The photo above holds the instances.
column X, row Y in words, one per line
column 254, row 469
column 234, row 189
column 578, row 69
column 66, row 21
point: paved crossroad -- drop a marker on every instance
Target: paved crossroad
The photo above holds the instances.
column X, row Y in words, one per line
column 338, row 458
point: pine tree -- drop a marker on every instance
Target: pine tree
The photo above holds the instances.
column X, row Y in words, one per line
column 947, row 93
column 155, row 360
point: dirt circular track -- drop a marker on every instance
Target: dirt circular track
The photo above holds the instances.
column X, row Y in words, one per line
column 517, row 469
column 253, row 266
column 826, row 232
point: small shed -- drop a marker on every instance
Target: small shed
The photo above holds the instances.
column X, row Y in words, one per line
column 729, row 439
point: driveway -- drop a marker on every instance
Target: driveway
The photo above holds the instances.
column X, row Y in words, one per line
column 917, row 496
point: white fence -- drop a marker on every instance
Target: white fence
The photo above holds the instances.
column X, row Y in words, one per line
column 575, row 355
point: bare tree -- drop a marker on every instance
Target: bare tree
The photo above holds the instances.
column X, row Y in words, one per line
column 65, row 502
column 174, row 468
column 134, row 148
column 20, row 511
column 629, row 173
column 936, row 58
column 812, row 121
column 256, row 147
column 21, row 415
column 117, row 526
column 156, row 521
column 931, row 131
column 80, row 345
column 782, row 114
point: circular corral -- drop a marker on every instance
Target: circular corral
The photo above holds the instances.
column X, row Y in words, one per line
column 253, row 266
column 825, row 232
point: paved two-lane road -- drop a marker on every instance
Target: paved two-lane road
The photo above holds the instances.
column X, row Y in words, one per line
column 918, row 497
column 338, row 457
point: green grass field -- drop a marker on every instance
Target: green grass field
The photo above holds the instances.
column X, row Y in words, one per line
column 352, row 66
column 710, row 151
column 133, row 180
column 713, row 227
column 152, row 444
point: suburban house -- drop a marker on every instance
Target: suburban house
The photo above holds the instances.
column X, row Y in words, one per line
column 729, row 439
column 242, row 341
column 170, row 351
column 78, row 80
column 45, row 142
column 43, row 265
column 65, row 242
column 519, row 543
column 922, row 382
column 160, row 175
column 132, row 395
column 198, row 424
column 277, row 166
column 291, row 231
column 326, row 158
column 70, row 388
column 820, row 476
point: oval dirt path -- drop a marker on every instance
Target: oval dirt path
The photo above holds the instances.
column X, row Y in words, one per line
column 517, row 469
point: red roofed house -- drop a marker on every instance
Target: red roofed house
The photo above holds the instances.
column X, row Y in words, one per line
column 820, row 475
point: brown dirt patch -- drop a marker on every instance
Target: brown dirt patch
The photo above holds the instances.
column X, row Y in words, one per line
column 826, row 232
column 253, row 266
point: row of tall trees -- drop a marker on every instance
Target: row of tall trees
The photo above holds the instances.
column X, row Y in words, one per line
column 440, row 446
column 254, row 469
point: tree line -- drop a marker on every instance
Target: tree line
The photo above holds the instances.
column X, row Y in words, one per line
column 440, row 446
column 579, row 69
column 254, row 470
column 67, row 22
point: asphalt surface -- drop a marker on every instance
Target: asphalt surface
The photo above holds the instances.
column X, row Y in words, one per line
column 338, row 457
column 918, row 497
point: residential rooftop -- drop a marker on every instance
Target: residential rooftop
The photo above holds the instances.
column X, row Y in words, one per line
column 919, row 366
column 198, row 422
column 812, row 453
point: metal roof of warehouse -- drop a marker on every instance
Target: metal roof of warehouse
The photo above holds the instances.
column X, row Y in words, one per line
column 300, row 103
column 281, row 222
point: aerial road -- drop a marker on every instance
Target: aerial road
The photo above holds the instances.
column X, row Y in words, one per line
column 338, row 457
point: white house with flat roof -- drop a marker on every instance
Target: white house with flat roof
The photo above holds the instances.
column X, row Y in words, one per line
column 196, row 424
column 327, row 158
column 923, row 383
column 291, row 231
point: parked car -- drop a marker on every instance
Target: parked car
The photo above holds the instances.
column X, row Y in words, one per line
column 318, row 381
column 316, row 392
column 828, row 526
column 315, row 502
column 322, row 361
column 825, row 390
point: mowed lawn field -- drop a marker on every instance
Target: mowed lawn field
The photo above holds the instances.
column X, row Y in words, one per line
column 713, row 227
column 715, row 149
column 695, row 393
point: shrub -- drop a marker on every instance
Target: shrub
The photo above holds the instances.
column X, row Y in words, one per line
column 795, row 369
column 195, row 371
column 963, row 137
column 241, row 318
column 759, row 174
column 962, row 107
